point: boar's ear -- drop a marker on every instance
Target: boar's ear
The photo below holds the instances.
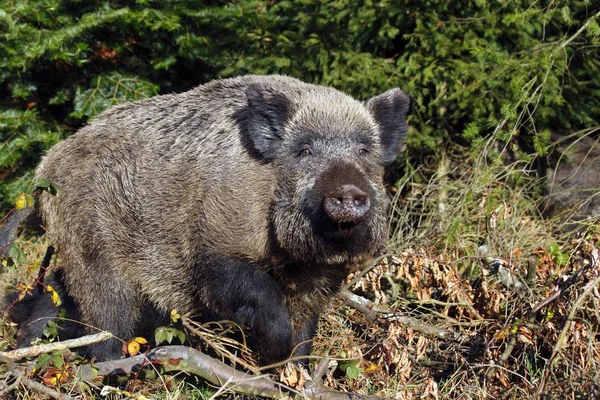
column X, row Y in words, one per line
column 389, row 110
column 266, row 115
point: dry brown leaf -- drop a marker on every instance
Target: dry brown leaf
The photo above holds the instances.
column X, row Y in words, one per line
column 54, row 376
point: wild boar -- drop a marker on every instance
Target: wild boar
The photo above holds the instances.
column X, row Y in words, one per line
column 248, row 198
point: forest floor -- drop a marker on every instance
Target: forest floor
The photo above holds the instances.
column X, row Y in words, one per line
column 477, row 297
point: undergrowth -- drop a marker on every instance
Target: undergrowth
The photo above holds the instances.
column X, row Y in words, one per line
column 470, row 259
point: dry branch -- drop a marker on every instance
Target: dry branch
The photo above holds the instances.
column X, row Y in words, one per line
column 217, row 346
column 561, row 288
column 187, row 359
column 182, row 358
column 18, row 374
column 316, row 389
column 372, row 311
column 38, row 387
column 49, row 347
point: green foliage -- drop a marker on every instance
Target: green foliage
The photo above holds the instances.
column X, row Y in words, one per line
column 42, row 360
column 351, row 368
column 167, row 334
column 559, row 257
column 48, row 186
column 15, row 256
column 469, row 67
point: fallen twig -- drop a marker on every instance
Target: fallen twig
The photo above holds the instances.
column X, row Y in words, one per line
column 187, row 359
column 320, row 369
column 566, row 327
column 48, row 347
column 38, row 387
column 11, row 374
column 19, row 379
column 372, row 312
column 369, row 309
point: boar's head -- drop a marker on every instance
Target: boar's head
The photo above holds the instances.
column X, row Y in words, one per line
column 328, row 152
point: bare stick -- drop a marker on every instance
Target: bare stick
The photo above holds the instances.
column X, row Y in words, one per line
column 38, row 387
column 20, row 379
column 313, row 391
column 372, row 311
column 5, row 388
column 46, row 348
column 576, row 307
column 187, row 359
column 369, row 309
column 316, row 389
column 320, row 369
column 561, row 288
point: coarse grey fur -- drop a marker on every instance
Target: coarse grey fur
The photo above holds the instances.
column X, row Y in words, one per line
column 171, row 200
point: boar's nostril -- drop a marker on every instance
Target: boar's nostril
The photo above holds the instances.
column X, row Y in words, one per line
column 348, row 203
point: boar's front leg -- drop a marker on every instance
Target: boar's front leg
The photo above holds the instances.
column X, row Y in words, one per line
column 238, row 290
column 304, row 335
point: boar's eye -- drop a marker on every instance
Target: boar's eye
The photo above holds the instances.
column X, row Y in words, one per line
column 306, row 151
column 363, row 150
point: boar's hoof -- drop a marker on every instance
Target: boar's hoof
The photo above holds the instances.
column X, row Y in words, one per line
column 347, row 204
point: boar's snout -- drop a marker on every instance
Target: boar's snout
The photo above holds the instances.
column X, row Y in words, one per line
column 347, row 204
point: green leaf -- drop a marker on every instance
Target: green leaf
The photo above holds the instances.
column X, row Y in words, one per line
column 48, row 186
column 554, row 249
column 58, row 361
column 160, row 335
column 51, row 331
column 18, row 256
column 169, row 335
column 562, row 259
column 42, row 360
column 351, row 368
column 181, row 336
column 353, row 372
